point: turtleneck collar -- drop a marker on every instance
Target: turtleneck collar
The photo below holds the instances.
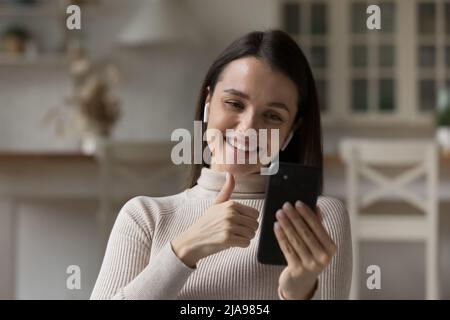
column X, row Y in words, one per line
column 246, row 186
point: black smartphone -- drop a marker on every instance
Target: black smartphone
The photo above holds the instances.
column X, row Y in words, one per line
column 292, row 182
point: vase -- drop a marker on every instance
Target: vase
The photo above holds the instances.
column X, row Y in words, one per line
column 443, row 138
column 89, row 144
column 92, row 143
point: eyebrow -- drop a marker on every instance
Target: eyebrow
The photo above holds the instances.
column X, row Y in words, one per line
column 246, row 96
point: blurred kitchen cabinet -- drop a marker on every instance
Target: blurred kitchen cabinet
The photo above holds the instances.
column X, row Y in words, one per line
column 388, row 77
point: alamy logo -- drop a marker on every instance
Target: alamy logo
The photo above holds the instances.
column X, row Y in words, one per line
column 73, row 281
column 374, row 20
column 73, row 21
column 374, row 280
column 236, row 147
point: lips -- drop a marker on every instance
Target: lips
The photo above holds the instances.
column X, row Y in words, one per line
column 241, row 144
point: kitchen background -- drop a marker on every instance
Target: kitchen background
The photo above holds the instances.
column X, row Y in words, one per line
column 83, row 111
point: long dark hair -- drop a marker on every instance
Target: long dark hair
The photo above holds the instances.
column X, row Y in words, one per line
column 279, row 50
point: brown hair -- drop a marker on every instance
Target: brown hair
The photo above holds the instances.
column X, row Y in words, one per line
column 279, row 50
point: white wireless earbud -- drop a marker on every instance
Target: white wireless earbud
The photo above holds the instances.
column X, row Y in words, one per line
column 206, row 113
column 288, row 139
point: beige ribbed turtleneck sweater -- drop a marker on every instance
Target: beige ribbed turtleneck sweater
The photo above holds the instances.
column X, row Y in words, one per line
column 139, row 262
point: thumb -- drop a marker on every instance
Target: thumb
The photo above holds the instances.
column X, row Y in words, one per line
column 226, row 190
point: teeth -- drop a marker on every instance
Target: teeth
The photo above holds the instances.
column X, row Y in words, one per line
column 240, row 146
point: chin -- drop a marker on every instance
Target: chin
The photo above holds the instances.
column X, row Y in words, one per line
column 241, row 169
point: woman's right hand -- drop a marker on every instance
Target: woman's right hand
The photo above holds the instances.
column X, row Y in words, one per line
column 225, row 224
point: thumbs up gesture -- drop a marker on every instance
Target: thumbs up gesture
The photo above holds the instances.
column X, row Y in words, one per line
column 227, row 189
column 227, row 223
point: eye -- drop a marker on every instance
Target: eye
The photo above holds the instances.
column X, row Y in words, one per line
column 274, row 117
column 235, row 105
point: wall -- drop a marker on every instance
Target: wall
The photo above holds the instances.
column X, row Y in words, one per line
column 159, row 85
column 158, row 92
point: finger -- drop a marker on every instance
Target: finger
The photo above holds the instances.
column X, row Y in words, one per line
column 295, row 240
column 319, row 213
column 243, row 231
column 288, row 252
column 239, row 241
column 307, row 235
column 245, row 221
column 246, row 210
column 314, row 222
column 226, row 191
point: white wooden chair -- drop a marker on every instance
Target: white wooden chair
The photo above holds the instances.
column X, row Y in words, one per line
column 420, row 157
column 129, row 169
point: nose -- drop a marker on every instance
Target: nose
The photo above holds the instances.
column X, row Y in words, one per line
column 247, row 121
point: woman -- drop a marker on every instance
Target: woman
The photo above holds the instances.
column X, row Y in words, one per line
column 202, row 243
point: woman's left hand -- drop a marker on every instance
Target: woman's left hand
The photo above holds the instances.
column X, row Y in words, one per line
column 307, row 247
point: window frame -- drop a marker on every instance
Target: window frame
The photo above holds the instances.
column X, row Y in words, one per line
column 405, row 73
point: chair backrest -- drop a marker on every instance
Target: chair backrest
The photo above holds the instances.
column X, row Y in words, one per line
column 129, row 169
column 419, row 157
column 139, row 168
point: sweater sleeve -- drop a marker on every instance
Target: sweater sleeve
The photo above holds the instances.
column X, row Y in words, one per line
column 127, row 272
column 316, row 295
column 335, row 280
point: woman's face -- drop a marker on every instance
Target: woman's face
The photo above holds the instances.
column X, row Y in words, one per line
column 249, row 94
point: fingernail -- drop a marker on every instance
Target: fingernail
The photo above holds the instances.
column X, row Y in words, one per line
column 287, row 205
column 276, row 225
column 298, row 203
column 279, row 214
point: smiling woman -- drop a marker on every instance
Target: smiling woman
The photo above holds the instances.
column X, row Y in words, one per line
column 250, row 95
column 263, row 80
column 202, row 242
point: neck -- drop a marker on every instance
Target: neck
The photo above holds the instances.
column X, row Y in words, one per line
column 220, row 168
column 252, row 184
